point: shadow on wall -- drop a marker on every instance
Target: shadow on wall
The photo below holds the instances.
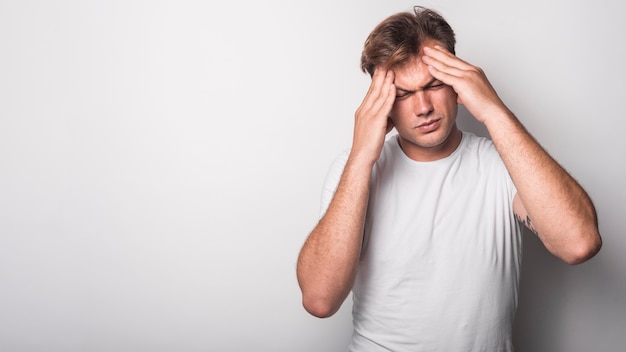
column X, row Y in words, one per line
column 542, row 286
column 466, row 122
column 558, row 308
column 564, row 308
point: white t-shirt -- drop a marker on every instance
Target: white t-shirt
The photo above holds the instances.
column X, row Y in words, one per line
column 441, row 256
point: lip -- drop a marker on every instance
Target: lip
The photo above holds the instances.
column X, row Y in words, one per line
column 429, row 126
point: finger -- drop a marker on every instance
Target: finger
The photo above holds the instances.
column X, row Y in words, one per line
column 450, row 76
column 441, row 66
column 442, row 55
column 390, row 94
column 390, row 125
column 377, row 78
column 373, row 93
column 387, row 96
column 444, row 75
column 382, row 95
column 378, row 81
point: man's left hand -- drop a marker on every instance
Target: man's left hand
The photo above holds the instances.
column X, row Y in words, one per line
column 468, row 81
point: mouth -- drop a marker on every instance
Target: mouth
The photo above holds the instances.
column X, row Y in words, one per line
column 429, row 126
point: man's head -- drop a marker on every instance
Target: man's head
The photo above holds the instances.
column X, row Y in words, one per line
column 399, row 38
column 425, row 109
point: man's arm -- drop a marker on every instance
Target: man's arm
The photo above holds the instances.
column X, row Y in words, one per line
column 548, row 201
column 328, row 260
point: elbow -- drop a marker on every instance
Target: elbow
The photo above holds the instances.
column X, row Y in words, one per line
column 583, row 250
column 318, row 307
column 322, row 300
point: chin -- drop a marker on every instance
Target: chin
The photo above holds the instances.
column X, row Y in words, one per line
column 431, row 140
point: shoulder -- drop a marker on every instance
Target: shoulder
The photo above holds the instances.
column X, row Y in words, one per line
column 482, row 153
column 481, row 148
column 478, row 143
column 389, row 152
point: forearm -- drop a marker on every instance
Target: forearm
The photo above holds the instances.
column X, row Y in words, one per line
column 553, row 204
column 328, row 260
column 550, row 201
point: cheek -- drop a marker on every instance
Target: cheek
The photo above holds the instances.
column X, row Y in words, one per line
column 445, row 98
column 399, row 108
column 449, row 93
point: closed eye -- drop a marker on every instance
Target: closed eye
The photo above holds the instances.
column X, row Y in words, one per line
column 403, row 94
column 435, row 86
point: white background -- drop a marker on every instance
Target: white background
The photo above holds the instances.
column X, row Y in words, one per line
column 161, row 164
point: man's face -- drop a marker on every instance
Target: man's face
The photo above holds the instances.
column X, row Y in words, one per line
column 424, row 113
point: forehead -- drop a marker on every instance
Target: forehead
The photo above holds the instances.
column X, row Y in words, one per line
column 414, row 73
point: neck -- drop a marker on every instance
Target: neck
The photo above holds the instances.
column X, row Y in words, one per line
column 432, row 153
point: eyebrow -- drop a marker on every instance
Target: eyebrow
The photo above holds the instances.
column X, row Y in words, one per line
column 430, row 83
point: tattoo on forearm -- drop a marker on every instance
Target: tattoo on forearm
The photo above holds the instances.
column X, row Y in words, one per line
column 526, row 222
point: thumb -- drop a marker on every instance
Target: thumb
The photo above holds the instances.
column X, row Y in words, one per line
column 390, row 125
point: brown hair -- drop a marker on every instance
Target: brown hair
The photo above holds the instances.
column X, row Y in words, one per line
column 399, row 37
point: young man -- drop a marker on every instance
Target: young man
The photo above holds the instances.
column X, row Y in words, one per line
column 424, row 228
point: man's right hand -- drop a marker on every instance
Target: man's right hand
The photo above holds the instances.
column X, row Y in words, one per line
column 372, row 122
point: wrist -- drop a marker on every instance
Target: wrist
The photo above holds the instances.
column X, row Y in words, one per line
column 362, row 159
column 497, row 118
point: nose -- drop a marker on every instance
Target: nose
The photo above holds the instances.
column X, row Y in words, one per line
column 422, row 105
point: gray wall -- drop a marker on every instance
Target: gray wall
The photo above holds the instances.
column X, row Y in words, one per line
column 161, row 164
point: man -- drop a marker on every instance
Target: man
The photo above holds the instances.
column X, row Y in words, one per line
column 424, row 228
